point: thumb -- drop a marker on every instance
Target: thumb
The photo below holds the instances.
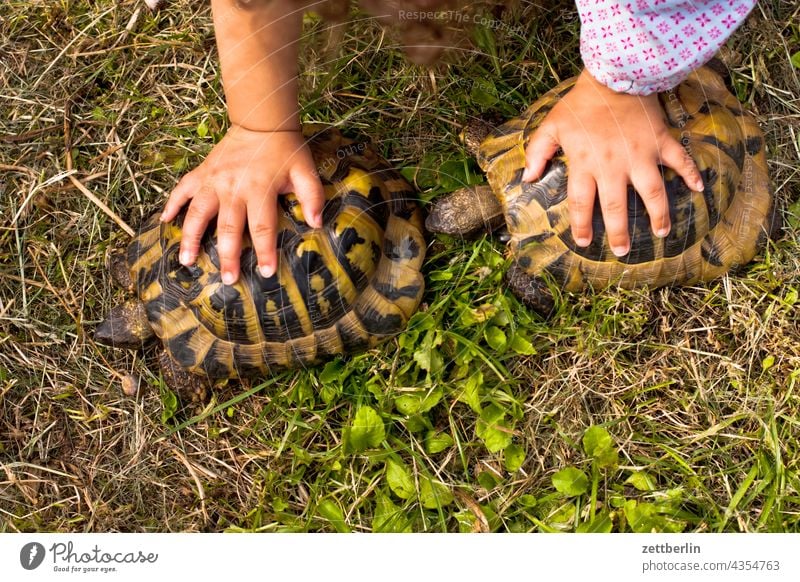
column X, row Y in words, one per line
column 541, row 148
column 308, row 189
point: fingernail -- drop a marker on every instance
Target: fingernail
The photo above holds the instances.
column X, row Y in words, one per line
column 186, row 259
column 228, row 278
column 163, row 217
column 662, row 232
column 620, row 251
column 316, row 221
column 266, row 271
column 527, row 175
column 583, row 241
column 699, row 186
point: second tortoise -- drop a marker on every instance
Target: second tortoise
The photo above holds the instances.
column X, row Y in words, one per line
column 713, row 230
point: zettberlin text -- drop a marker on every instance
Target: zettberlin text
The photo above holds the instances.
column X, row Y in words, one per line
column 671, row 549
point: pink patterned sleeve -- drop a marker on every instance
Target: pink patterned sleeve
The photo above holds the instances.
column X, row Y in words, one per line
column 645, row 46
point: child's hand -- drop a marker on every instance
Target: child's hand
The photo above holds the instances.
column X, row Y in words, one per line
column 240, row 181
column 610, row 140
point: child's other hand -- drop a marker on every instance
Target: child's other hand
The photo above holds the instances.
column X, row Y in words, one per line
column 239, row 182
column 610, row 140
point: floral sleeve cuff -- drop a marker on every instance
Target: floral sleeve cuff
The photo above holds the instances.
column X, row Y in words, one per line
column 645, row 46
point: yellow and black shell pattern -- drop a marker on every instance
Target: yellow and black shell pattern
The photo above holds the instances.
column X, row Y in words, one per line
column 338, row 289
column 712, row 231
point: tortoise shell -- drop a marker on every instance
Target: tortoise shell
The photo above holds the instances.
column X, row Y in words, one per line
column 712, row 231
column 338, row 289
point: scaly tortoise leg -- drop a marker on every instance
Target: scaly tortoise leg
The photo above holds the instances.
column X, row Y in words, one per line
column 117, row 263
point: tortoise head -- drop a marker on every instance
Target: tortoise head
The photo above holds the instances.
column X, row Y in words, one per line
column 126, row 326
column 466, row 212
column 472, row 210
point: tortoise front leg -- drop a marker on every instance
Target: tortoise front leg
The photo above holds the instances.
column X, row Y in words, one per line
column 117, row 263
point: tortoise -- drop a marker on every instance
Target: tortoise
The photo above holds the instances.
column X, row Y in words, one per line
column 712, row 231
column 338, row 289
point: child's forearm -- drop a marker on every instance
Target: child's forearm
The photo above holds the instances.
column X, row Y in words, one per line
column 258, row 47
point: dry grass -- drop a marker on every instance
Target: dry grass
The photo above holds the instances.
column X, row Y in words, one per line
column 697, row 386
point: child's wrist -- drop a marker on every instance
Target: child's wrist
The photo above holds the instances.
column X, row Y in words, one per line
column 278, row 113
column 588, row 78
column 266, row 129
column 589, row 81
column 280, row 120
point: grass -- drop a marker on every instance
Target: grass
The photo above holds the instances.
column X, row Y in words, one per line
column 672, row 410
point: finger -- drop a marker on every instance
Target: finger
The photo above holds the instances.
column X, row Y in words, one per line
column 311, row 195
column 262, row 221
column 541, row 148
column 674, row 155
column 201, row 210
column 614, row 205
column 230, row 228
column 649, row 183
column 180, row 195
column 581, row 191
